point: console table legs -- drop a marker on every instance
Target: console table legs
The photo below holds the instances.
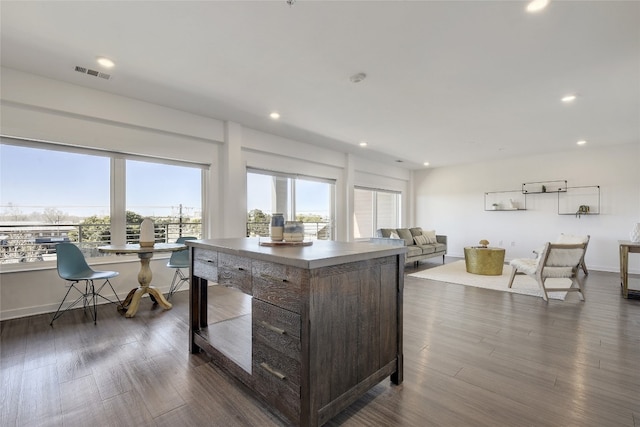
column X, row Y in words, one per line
column 626, row 247
column 132, row 301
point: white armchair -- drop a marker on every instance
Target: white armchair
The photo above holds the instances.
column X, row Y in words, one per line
column 557, row 260
column 570, row 238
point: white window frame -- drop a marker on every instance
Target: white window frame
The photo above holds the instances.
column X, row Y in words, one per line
column 374, row 212
column 117, row 190
column 291, row 197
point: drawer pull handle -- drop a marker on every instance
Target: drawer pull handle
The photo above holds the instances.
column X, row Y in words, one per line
column 273, row 328
column 272, row 371
column 272, row 278
column 240, row 268
column 210, row 261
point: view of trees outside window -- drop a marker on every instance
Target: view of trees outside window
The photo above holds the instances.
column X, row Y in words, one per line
column 374, row 209
column 297, row 198
column 49, row 196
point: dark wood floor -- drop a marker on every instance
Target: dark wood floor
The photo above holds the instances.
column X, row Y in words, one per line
column 473, row 357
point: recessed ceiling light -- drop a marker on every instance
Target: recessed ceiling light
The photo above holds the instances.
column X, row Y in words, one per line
column 105, row 62
column 363, row 144
column 537, row 5
column 426, row 163
column 275, row 115
column 581, row 142
column 568, row 98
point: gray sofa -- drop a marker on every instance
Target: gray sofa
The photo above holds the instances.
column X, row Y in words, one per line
column 415, row 252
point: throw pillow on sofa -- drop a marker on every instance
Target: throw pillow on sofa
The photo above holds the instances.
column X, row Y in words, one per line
column 405, row 234
column 420, row 240
column 394, row 235
column 416, row 231
column 385, row 232
column 430, row 235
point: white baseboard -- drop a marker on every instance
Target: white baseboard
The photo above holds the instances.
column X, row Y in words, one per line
column 51, row 308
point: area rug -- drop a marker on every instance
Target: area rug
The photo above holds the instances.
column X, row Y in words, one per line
column 456, row 273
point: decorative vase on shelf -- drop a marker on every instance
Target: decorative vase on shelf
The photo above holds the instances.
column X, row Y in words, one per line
column 635, row 233
column 147, row 233
column 277, row 227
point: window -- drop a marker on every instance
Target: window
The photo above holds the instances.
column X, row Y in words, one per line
column 44, row 197
column 301, row 198
column 168, row 194
column 51, row 193
column 374, row 209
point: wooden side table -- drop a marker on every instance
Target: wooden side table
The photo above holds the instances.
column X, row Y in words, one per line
column 484, row 261
column 626, row 247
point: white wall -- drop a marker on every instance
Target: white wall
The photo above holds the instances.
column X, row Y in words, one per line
column 43, row 109
column 36, row 291
column 39, row 108
column 451, row 200
column 271, row 152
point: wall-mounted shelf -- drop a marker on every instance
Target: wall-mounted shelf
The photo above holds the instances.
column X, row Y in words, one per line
column 577, row 201
column 541, row 187
column 510, row 200
column 580, row 201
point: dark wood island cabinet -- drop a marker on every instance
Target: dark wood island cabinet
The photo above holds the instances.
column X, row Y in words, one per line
column 325, row 323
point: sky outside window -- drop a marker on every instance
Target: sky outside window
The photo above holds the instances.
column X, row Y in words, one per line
column 311, row 196
column 33, row 180
column 158, row 190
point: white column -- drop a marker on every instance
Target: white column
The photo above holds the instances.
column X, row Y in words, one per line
column 344, row 220
column 118, row 205
column 232, row 205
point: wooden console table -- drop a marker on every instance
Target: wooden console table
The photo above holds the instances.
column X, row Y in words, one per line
column 626, row 247
column 325, row 323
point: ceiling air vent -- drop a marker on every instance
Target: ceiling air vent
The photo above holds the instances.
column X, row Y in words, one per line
column 93, row 73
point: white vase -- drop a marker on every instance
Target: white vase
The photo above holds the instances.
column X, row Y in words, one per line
column 147, row 233
column 635, row 233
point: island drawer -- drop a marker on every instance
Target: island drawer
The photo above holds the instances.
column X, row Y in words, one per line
column 277, row 389
column 276, row 327
column 205, row 264
column 276, row 363
column 278, row 284
column 234, row 271
column 276, row 356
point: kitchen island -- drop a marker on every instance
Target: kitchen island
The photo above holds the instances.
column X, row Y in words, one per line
column 325, row 321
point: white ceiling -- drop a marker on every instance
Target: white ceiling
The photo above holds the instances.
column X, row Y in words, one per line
column 448, row 82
